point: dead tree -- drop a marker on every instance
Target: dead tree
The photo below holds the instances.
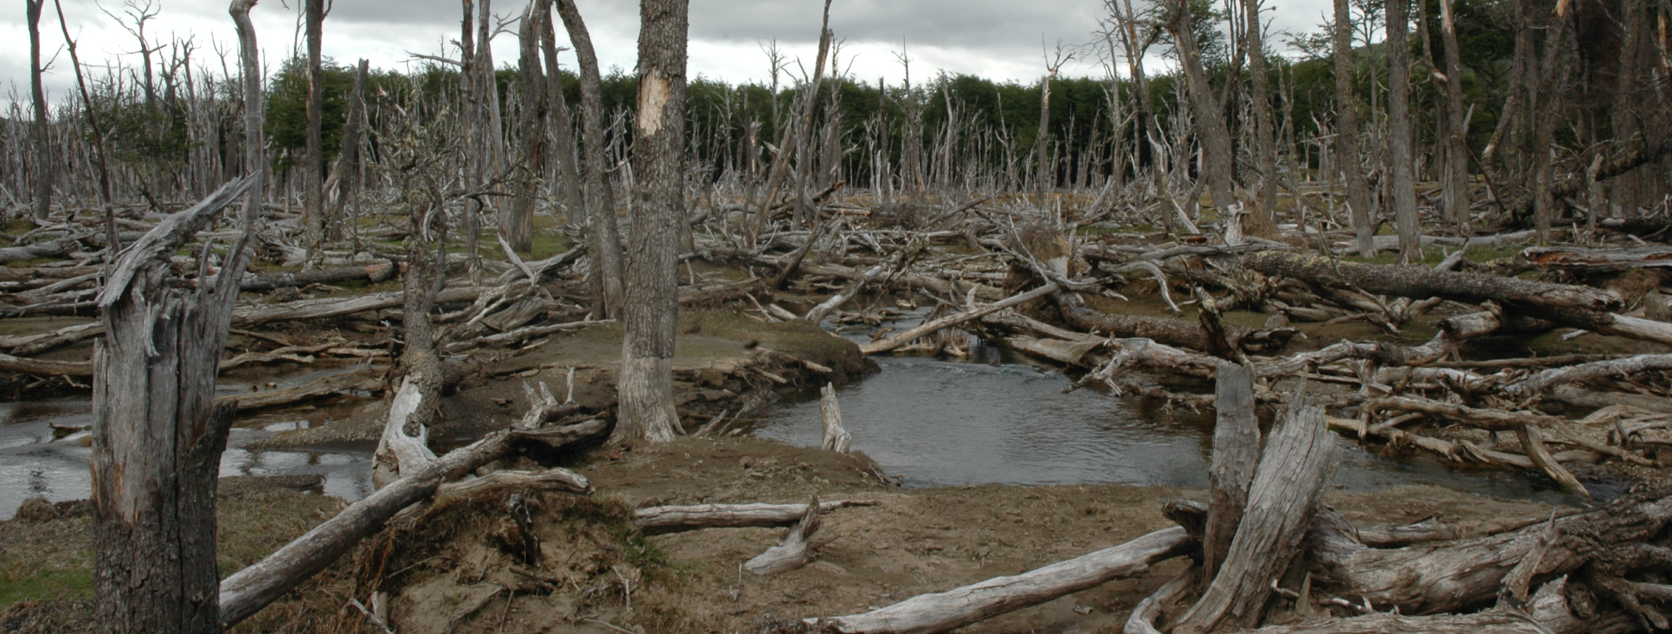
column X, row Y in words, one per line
column 1456, row 143
column 1546, row 102
column 1347, row 154
column 1207, row 110
column 313, row 166
column 157, row 431
column 1259, row 97
column 1400, row 168
column 346, row 173
column 95, row 132
column 1236, row 450
column 562, row 156
column 516, row 221
column 43, row 142
column 605, row 242
column 652, row 290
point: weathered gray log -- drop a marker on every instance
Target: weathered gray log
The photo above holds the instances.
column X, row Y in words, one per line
column 30, row 345
column 1069, row 352
column 403, row 448
column 655, row 520
column 794, row 551
column 316, row 389
column 1533, row 444
column 1585, row 372
column 946, row 611
column 553, row 479
column 1582, row 259
column 1547, row 613
column 370, row 273
column 247, row 591
column 948, row 321
column 1165, row 330
column 1142, row 619
column 51, row 249
column 1421, row 282
column 326, row 307
column 1437, row 577
column 22, row 365
column 819, row 312
column 1236, row 451
column 836, row 438
column 1453, row 332
column 1286, row 489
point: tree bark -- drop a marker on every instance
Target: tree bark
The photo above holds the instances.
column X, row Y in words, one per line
column 651, row 304
column 1401, row 178
column 347, row 170
column 605, row 242
column 657, row 520
column 1208, row 113
column 1456, row 145
column 313, row 167
column 1347, row 155
column 1546, row 104
column 1236, row 451
column 1259, row 96
column 1286, row 488
column 516, row 220
column 1421, row 282
column 157, row 432
column 44, row 167
column 561, row 122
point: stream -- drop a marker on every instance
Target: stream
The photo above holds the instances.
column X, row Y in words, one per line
column 995, row 417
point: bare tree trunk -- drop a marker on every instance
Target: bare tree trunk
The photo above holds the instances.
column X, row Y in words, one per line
column 43, row 143
column 605, row 244
column 1347, row 128
column 1265, row 141
column 516, row 221
column 1545, row 102
column 347, row 169
column 97, row 133
column 157, row 432
column 1401, row 179
column 1044, row 177
column 1211, row 132
column 652, row 299
column 1236, row 451
column 561, row 123
column 1457, row 142
column 313, row 167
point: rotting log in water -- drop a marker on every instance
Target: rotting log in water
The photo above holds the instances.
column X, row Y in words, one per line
column 794, row 551
column 247, row 591
column 656, row 520
column 1285, row 490
column 948, row 321
column 946, row 611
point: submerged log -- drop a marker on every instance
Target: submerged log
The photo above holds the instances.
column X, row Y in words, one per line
column 946, row 611
column 1285, row 490
column 794, row 551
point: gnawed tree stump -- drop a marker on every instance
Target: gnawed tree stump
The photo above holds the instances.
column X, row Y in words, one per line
column 794, row 551
column 1285, row 490
column 836, row 438
column 946, row 611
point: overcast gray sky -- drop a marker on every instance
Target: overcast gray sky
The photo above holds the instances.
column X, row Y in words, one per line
column 997, row 39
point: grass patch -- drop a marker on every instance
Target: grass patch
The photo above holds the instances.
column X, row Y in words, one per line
column 19, row 583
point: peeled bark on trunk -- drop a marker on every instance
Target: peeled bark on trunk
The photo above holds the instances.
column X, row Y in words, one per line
column 604, row 241
column 401, row 452
column 1421, row 282
column 651, row 303
column 1401, row 177
column 947, row 611
column 1236, row 451
column 157, row 432
column 1286, row 489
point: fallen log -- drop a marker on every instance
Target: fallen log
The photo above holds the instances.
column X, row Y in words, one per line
column 946, row 611
column 38, row 250
column 325, row 307
column 1438, row 577
column 1142, row 619
column 948, row 321
column 403, row 448
column 657, row 520
column 1165, row 330
column 247, row 591
column 1286, row 488
column 318, row 388
column 1547, row 613
column 1069, row 352
column 43, row 367
column 794, row 551
column 373, row 273
column 30, row 345
column 1547, row 379
column 1421, row 282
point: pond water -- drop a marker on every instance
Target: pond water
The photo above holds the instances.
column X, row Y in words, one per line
column 994, row 418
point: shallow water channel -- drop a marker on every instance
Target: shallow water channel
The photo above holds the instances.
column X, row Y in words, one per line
column 995, row 417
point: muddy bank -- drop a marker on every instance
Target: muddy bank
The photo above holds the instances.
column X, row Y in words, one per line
column 453, row 563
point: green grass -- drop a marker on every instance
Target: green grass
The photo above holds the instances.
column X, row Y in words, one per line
column 44, row 583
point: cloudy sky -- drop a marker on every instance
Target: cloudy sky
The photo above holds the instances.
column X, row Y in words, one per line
column 998, row 39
